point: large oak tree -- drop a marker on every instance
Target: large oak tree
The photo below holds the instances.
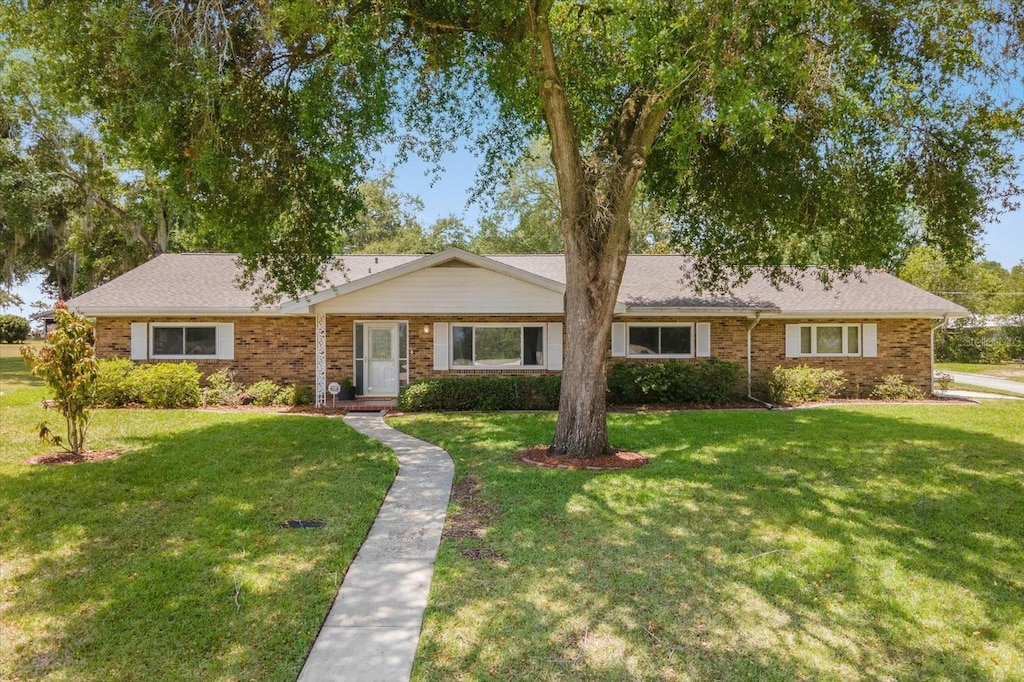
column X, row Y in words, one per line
column 772, row 132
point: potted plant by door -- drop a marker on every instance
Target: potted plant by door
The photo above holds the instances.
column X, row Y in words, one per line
column 348, row 391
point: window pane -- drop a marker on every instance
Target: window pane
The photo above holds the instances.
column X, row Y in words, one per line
column 853, row 339
column 403, row 340
column 498, row 346
column 168, row 341
column 533, row 345
column 675, row 341
column 380, row 344
column 830, row 339
column 643, row 340
column 462, row 346
column 359, row 377
column 805, row 340
column 200, row 340
column 359, row 341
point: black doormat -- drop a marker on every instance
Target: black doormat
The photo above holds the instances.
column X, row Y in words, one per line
column 304, row 523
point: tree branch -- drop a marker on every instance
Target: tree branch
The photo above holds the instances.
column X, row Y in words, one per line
column 561, row 125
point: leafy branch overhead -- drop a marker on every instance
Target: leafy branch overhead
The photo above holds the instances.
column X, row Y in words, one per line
column 767, row 132
column 770, row 132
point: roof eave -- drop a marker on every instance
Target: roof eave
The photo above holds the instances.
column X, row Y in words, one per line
column 106, row 311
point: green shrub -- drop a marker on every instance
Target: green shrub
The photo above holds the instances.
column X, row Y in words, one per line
column 263, row 393
column 803, row 384
column 221, row 389
column 13, row 329
column 482, row 393
column 706, row 382
column 973, row 345
column 944, row 380
column 894, row 387
column 295, row 394
column 115, row 385
column 168, row 384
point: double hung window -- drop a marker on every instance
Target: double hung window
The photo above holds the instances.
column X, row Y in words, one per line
column 497, row 346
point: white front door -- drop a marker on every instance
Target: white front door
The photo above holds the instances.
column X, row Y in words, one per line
column 382, row 359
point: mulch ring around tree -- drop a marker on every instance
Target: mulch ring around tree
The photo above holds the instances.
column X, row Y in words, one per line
column 68, row 458
column 538, row 456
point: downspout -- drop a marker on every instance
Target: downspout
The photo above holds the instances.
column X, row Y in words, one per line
column 945, row 321
column 750, row 364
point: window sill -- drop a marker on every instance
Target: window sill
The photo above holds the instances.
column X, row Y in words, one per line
column 651, row 356
column 493, row 368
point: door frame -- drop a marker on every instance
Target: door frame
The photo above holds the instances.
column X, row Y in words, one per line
column 396, row 341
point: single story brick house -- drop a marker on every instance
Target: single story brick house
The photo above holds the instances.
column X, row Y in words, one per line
column 386, row 320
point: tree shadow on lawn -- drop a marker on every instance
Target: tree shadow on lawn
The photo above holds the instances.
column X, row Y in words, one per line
column 170, row 562
column 824, row 544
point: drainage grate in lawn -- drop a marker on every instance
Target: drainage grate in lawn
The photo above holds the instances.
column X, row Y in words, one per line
column 304, row 523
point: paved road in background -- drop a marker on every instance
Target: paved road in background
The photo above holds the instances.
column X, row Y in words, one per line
column 985, row 381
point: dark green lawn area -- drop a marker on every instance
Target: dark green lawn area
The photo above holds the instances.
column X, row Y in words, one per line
column 169, row 563
column 874, row 542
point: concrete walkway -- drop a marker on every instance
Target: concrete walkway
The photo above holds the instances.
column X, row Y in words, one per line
column 373, row 627
column 975, row 395
column 985, row 381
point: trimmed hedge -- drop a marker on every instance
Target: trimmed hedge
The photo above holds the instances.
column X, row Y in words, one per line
column 672, row 382
column 13, row 329
column 121, row 382
column 168, row 384
column 115, row 385
column 481, row 393
column 803, row 384
column 894, row 387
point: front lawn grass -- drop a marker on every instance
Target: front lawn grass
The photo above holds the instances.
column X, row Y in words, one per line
column 867, row 542
column 170, row 563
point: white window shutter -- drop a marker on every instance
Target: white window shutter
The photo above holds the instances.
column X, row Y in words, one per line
column 140, row 341
column 554, row 343
column 619, row 339
column 703, row 339
column 792, row 340
column 869, row 340
column 441, row 345
column 226, row 341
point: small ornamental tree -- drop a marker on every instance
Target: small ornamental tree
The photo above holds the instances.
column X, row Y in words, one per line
column 67, row 363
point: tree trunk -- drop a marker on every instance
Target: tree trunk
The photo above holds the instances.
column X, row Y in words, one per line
column 592, row 283
column 594, row 196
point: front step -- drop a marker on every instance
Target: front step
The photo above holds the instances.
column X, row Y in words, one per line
column 367, row 404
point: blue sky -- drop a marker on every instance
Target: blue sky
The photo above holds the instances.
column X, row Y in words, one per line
column 448, row 193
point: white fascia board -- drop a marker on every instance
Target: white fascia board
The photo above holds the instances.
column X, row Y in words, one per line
column 95, row 311
column 304, row 305
column 691, row 312
column 873, row 314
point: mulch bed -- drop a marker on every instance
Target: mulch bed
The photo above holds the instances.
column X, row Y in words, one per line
column 538, row 456
column 68, row 458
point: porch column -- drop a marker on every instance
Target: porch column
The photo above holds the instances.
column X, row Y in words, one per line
column 321, row 360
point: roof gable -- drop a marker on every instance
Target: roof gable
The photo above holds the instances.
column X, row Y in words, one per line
column 444, row 259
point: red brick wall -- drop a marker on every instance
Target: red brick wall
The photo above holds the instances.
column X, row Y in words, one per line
column 904, row 347
column 279, row 348
column 282, row 347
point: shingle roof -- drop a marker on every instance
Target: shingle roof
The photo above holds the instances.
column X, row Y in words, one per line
column 205, row 282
